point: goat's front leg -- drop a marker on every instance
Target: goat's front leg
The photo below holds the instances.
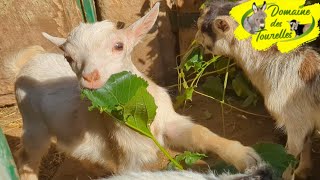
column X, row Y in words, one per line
column 298, row 144
column 305, row 163
column 187, row 135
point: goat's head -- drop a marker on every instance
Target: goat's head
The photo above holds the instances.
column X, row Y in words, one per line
column 294, row 24
column 96, row 51
column 259, row 15
column 219, row 38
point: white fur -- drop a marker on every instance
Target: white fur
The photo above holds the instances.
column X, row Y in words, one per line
column 48, row 96
column 261, row 172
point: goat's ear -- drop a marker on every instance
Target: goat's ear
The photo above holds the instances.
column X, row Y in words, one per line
column 221, row 25
column 254, row 7
column 264, row 6
column 141, row 27
column 55, row 40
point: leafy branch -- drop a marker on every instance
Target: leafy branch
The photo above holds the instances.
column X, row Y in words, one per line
column 125, row 98
column 194, row 64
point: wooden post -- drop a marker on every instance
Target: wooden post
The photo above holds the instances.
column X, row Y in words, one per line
column 8, row 170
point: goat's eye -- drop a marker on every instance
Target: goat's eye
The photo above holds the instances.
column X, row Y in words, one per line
column 69, row 59
column 118, row 46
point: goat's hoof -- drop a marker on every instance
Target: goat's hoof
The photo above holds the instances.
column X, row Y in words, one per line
column 28, row 176
column 288, row 174
column 302, row 173
column 242, row 157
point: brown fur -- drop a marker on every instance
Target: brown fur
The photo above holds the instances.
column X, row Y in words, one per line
column 288, row 82
column 309, row 68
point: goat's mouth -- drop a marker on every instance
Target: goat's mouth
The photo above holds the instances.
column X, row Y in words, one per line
column 91, row 85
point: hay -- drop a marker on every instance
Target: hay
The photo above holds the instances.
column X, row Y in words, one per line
column 50, row 163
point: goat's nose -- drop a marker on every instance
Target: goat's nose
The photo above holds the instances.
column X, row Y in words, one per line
column 92, row 77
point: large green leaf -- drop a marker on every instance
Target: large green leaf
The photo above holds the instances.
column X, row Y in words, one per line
column 125, row 97
column 273, row 154
column 140, row 111
column 276, row 156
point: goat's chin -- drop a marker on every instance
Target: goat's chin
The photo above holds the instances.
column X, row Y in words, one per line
column 92, row 85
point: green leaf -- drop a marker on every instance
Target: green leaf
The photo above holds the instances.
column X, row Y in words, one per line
column 251, row 99
column 189, row 93
column 190, row 52
column 140, row 111
column 273, row 154
column 125, row 97
column 276, row 156
column 242, row 88
column 194, row 60
column 213, row 86
column 189, row 158
column 186, row 95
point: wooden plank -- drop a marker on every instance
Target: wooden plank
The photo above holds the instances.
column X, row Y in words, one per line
column 21, row 24
column 186, row 34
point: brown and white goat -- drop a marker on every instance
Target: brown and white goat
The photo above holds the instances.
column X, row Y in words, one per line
column 48, row 95
column 289, row 83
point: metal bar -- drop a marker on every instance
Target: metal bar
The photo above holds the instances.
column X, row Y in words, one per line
column 88, row 10
column 8, row 170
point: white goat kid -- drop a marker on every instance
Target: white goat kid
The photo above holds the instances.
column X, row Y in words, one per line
column 260, row 172
column 48, row 96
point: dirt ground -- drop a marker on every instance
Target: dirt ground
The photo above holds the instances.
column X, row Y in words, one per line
column 248, row 129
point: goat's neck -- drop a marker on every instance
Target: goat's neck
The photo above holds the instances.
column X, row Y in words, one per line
column 257, row 64
column 133, row 69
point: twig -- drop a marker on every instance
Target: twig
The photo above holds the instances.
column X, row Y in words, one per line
column 241, row 110
column 163, row 150
column 205, row 74
column 223, row 96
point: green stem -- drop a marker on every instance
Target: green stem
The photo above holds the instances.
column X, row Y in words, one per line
column 165, row 152
column 225, row 81
column 199, row 75
column 222, row 116
column 216, row 71
column 241, row 110
column 223, row 96
column 138, row 130
column 203, row 75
